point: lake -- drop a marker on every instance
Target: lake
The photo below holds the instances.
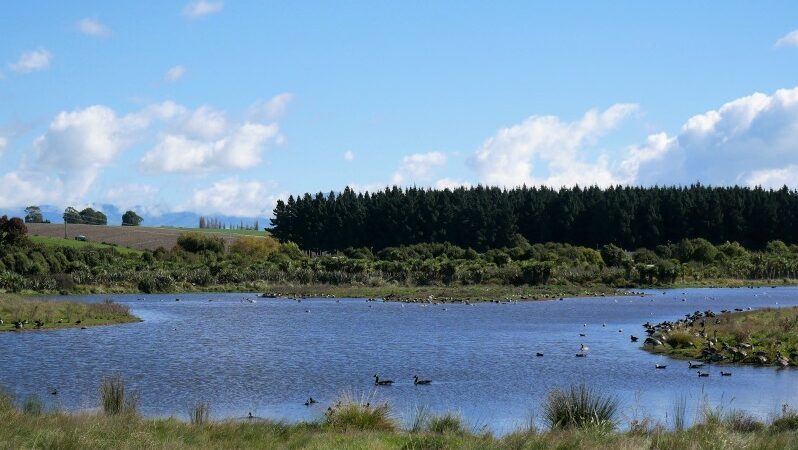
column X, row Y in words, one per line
column 268, row 357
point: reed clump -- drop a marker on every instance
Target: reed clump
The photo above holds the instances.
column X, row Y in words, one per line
column 352, row 414
column 114, row 398
column 200, row 413
column 580, row 407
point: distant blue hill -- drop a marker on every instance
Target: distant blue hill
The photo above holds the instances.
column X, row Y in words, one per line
column 174, row 219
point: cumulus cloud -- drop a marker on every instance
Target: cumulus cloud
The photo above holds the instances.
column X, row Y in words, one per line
column 750, row 140
column 93, row 27
column 174, row 73
column 348, row 155
column 241, row 149
column 204, row 122
column 202, row 8
column 417, row 167
column 514, row 155
column 271, row 109
column 78, row 143
column 32, row 61
column 233, row 197
column 788, row 40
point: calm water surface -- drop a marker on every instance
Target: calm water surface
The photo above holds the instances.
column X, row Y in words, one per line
column 270, row 356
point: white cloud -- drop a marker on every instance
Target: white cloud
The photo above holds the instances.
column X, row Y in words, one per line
column 78, row 143
column 32, row 61
column 774, row 178
column 750, row 140
column 512, row 156
column 3, row 144
column 240, row 149
column 202, row 8
column 93, row 27
column 205, row 123
column 417, row 167
column 349, row 155
column 233, row 197
column 367, row 187
column 21, row 188
column 271, row 109
column 788, row 40
column 174, row 73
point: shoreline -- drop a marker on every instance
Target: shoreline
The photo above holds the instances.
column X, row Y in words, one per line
column 458, row 293
column 766, row 337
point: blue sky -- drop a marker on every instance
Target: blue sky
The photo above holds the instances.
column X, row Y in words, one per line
column 221, row 107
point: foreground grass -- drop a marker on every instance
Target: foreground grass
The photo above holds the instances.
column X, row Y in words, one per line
column 741, row 337
column 358, row 426
column 59, row 314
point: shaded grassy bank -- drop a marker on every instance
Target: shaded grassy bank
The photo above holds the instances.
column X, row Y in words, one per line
column 762, row 337
column 576, row 419
column 22, row 313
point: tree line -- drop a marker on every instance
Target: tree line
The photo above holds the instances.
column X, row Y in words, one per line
column 87, row 216
column 490, row 217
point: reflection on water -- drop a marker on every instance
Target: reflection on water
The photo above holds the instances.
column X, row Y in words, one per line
column 268, row 357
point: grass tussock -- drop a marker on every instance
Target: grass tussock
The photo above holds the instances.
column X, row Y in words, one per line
column 114, row 398
column 33, row 406
column 359, row 414
column 580, row 407
column 446, row 423
column 199, row 413
column 680, row 339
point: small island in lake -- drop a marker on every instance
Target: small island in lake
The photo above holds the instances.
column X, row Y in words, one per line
column 21, row 313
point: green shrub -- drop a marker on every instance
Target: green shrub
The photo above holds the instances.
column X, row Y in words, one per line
column 200, row 243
